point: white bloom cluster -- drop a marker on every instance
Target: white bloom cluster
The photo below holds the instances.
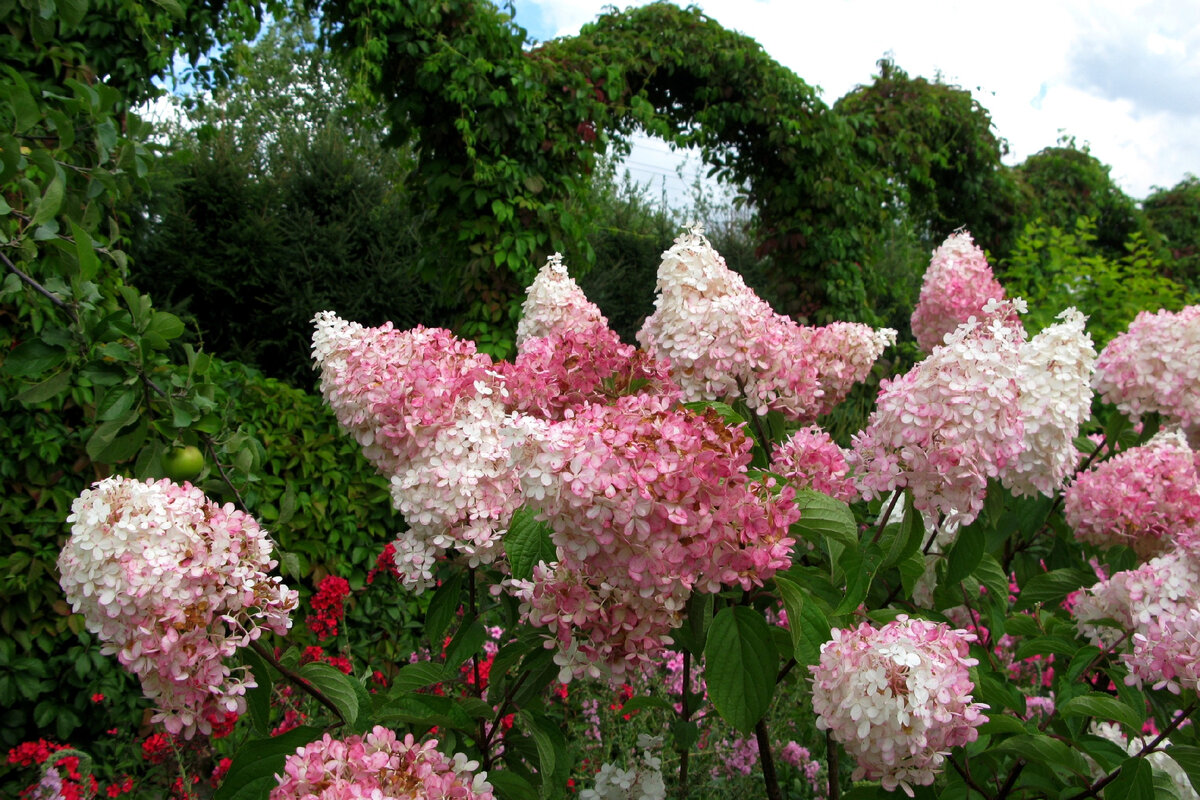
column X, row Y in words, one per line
column 642, row 783
column 555, row 304
column 1054, row 379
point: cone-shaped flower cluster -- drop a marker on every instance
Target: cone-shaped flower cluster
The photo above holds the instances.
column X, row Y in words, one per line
column 554, row 304
column 428, row 411
column 723, row 342
column 1054, row 380
column 950, row 423
column 809, row 458
column 647, row 503
column 897, row 698
column 173, row 584
column 957, row 285
column 378, row 765
column 1145, row 498
column 1155, row 367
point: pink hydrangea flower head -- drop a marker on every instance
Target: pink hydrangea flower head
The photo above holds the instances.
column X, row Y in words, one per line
column 1054, row 380
column 809, row 458
column 173, row 584
column 1146, row 498
column 555, row 304
column 561, row 372
column 897, row 698
column 428, row 411
column 951, row 422
column 378, row 765
column 956, row 287
column 843, row 354
column 1157, row 608
column 722, row 341
column 1154, row 367
column 647, row 502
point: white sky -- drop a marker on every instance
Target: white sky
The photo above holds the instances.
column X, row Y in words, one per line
column 1122, row 76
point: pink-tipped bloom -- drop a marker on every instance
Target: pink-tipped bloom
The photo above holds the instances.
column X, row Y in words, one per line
column 957, row 285
column 897, row 698
column 843, row 354
column 1157, row 608
column 1146, row 497
column 559, row 373
column 1054, row 379
column 378, row 765
column 173, row 584
column 554, row 304
column 950, row 423
column 428, row 410
column 723, row 341
column 647, row 503
column 1154, row 367
column 809, row 458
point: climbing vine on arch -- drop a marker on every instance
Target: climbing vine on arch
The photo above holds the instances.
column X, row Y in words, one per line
column 507, row 135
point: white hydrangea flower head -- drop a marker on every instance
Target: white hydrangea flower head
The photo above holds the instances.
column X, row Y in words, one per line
column 1054, row 380
column 555, row 304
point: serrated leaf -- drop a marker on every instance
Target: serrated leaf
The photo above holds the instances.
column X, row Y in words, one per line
column 165, row 324
column 1135, row 781
column 1001, row 723
column 1051, row 587
column 251, row 776
column 807, row 622
column 1042, row 749
column 991, row 574
column 740, row 666
column 823, row 516
column 527, row 542
column 417, row 676
column 1102, row 706
column 335, row 685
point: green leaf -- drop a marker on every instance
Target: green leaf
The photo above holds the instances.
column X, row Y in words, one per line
column 258, row 699
column 32, row 358
column 1001, row 723
column 50, row 203
column 553, row 761
column 443, row 607
column 251, row 776
column 1134, row 782
column 1102, row 706
column 468, row 640
column 1041, row 749
column 807, row 622
column 335, row 685
column 508, row 785
column 85, row 253
column 822, row 515
column 72, row 11
column 166, row 325
column 965, row 556
column 527, row 542
column 1051, row 587
column 39, row 392
column 417, row 676
column 740, row 666
column 991, row 574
